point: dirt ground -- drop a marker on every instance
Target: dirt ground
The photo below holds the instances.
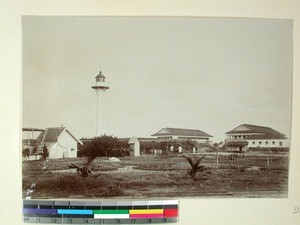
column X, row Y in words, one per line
column 151, row 176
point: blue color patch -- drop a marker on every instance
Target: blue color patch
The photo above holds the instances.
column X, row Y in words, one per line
column 75, row 212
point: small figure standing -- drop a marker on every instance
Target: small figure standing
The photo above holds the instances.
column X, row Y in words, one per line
column 180, row 149
column 171, row 148
column 45, row 152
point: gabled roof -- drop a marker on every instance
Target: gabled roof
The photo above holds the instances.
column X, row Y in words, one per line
column 181, row 132
column 259, row 131
column 52, row 134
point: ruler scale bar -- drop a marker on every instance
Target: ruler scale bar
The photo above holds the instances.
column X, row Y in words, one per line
column 100, row 212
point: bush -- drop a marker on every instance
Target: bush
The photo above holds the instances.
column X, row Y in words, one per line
column 25, row 152
column 113, row 190
column 210, row 149
column 280, row 149
column 272, row 149
column 105, row 146
column 72, row 184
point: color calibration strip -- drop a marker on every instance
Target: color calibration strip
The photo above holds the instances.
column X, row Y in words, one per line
column 104, row 212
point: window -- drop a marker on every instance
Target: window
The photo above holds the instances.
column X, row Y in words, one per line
column 72, row 149
column 280, row 143
column 267, row 142
column 273, row 142
column 253, row 142
column 259, row 142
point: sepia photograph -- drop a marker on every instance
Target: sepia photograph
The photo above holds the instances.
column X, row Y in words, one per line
column 155, row 107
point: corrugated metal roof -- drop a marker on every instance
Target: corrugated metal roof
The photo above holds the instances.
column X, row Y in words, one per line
column 51, row 135
column 255, row 129
column 181, row 132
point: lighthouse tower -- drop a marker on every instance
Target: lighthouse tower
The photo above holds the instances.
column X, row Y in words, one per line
column 100, row 87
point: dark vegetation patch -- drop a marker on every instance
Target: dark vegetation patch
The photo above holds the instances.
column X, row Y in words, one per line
column 162, row 176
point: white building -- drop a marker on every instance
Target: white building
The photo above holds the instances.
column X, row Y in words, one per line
column 183, row 134
column 248, row 136
column 61, row 143
column 134, row 146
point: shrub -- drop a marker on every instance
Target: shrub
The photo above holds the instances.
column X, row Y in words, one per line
column 72, row 184
column 113, row 190
column 280, row 149
column 272, row 149
column 25, row 152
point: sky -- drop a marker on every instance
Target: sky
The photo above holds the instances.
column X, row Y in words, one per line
column 211, row 74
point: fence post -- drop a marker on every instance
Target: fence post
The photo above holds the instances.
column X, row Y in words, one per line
column 268, row 163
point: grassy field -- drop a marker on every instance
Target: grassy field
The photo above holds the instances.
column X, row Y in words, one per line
column 160, row 176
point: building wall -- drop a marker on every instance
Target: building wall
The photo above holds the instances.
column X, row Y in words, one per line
column 66, row 147
column 268, row 143
column 239, row 136
column 263, row 143
column 173, row 137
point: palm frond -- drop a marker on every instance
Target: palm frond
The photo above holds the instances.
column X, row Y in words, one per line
column 72, row 165
column 200, row 168
column 189, row 160
column 199, row 160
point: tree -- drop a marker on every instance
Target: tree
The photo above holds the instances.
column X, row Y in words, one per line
column 25, row 152
column 104, row 146
column 195, row 167
column 99, row 147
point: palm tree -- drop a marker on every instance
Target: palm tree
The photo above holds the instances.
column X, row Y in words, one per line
column 195, row 165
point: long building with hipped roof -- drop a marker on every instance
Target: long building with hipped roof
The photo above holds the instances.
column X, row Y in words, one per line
column 169, row 133
column 247, row 136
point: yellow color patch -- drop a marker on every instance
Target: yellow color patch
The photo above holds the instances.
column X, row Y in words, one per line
column 146, row 211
